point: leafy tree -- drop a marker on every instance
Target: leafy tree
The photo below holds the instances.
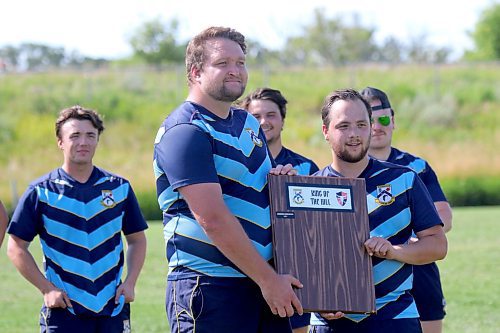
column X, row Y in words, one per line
column 486, row 35
column 331, row 41
column 155, row 42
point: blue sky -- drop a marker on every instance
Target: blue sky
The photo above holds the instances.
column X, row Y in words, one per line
column 101, row 28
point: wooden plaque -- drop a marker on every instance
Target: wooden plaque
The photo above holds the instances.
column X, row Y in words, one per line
column 319, row 227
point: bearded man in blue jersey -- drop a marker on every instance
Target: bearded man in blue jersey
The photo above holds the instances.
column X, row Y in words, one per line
column 79, row 212
column 398, row 206
column 427, row 289
column 211, row 164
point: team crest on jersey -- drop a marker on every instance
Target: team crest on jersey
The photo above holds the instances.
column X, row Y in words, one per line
column 384, row 195
column 297, row 197
column 107, row 198
column 255, row 138
column 341, row 197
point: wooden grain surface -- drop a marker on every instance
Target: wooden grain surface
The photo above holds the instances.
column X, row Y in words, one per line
column 324, row 248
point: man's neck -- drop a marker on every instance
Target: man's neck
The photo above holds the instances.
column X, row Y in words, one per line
column 219, row 108
column 381, row 154
column 348, row 169
column 275, row 148
column 80, row 173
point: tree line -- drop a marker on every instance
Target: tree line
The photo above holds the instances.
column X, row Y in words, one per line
column 325, row 41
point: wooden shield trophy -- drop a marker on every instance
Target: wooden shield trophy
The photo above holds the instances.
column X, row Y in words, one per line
column 319, row 227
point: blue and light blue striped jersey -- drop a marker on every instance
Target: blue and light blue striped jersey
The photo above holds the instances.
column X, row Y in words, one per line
column 303, row 165
column 398, row 204
column 195, row 146
column 80, row 225
column 422, row 168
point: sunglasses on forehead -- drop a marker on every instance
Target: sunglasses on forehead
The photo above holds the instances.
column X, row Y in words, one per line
column 382, row 120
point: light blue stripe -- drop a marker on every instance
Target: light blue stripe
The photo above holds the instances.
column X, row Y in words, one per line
column 248, row 211
column 94, row 303
column 167, row 198
column 157, row 170
column 227, row 168
column 203, row 266
column 385, row 269
column 102, row 180
column 82, row 268
column 81, row 238
column 190, row 228
column 410, row 312
column 187, row 227
column 417, row 165
column 303, row 169
column 78, row 208
column 395, row 294
column 243, row 143
column 392, row 226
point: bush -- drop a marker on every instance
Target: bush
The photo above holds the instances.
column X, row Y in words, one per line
column 472, row 191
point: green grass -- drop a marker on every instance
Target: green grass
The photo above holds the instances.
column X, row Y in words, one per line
column 469, row 275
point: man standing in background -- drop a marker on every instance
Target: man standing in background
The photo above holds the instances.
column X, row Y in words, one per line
column 427, row 289
column 269, row 107
column 79, row 212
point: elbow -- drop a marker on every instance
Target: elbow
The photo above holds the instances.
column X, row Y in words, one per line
column 443, row 248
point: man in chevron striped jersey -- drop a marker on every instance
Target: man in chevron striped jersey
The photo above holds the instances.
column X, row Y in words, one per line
column 398, row 205
column 427, row 289
column 79, row 212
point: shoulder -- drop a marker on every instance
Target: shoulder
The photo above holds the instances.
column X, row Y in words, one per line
column 53, row 175
column 104, row 175
column 393, row 168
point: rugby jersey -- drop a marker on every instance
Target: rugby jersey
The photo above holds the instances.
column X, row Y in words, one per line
column 195, row 146
column 398, row 204
column 79, row 226
column 303, row 165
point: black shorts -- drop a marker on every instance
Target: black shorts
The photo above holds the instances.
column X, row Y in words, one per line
column 428, row 293
column 59, row 320
column 213, row 304
column 343, row 325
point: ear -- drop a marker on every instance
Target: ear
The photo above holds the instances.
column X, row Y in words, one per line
column 324, row 129
column 393, row 122
column 59, row 144
column 195, row 73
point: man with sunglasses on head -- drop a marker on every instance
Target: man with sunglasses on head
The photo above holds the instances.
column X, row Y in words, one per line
column 427, row 289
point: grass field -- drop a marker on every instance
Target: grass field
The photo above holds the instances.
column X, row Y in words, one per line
column 469, row 273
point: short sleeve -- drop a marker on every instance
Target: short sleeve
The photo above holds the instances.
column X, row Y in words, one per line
column 26, row 222
column 185, row 155
column 424, row 214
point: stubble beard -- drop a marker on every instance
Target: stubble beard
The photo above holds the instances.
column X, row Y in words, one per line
column 223, row 94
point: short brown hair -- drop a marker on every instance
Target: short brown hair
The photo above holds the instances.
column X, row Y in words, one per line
column 342, row 95
column 266, row 94
column 79, row 113
column 195, row 51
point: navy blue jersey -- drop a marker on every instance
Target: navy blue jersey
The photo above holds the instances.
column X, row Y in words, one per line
column 422, row 168
column 80, row 227
column 398, row 204
column 304, row 166
column 195, row 146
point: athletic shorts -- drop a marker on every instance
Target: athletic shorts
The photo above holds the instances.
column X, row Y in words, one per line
column 343, row 325
column 211, row 304
column 59, row 320
column 428, row 293
column 298, row 321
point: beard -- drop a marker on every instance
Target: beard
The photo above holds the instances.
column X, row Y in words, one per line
column 346, row 156
column 223, row 94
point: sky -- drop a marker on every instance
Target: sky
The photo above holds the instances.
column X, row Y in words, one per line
column 102, row 28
